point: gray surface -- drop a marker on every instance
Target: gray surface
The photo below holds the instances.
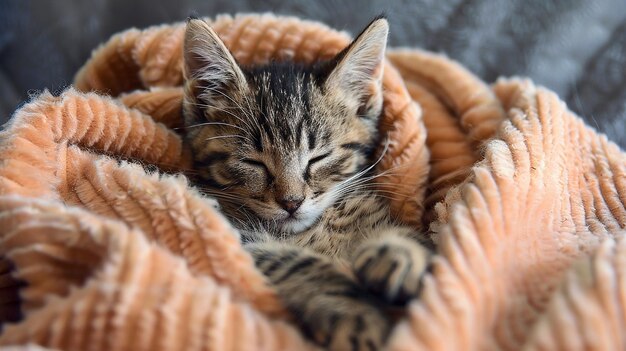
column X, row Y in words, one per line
column 575, row 47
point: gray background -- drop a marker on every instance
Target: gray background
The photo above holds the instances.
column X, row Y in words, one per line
column 575, row 47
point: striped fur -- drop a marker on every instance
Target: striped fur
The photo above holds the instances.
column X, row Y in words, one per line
column 288, row 151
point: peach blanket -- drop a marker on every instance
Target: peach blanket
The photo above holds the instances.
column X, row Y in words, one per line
column 106, row 247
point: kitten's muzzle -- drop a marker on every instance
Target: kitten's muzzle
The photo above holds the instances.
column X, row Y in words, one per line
column 291, row 205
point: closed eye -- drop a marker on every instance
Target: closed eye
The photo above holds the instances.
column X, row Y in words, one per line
column 254, row 163
column 259, row 165
column 307, row 171
column 317, row 159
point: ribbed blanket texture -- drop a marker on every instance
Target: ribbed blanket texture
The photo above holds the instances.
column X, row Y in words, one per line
column 106, row 246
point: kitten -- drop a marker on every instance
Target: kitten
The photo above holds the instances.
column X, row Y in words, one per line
column 288, row 150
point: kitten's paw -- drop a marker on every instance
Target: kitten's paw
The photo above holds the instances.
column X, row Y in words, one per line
column 391, row 267
column 364, row 328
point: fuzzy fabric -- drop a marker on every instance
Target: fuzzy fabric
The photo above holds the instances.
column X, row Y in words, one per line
column 105, row 247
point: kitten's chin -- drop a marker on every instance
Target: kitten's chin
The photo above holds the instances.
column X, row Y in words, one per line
column 279, row 222
column 295, row 225
column 308, row 215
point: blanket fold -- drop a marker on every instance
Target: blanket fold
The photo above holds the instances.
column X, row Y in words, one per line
column 106, row 246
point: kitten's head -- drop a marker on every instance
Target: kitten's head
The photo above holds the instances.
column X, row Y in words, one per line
column 281, row 142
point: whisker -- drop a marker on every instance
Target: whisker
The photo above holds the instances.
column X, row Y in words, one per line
column 343, row 184
column 360, row 173
column 225, row 111
column 352, row 182
column 388, row 192
column 221, row 195
column 211, row 124
column 218, row 193
column 227, row 136
column 378, row 185
column 244, row 111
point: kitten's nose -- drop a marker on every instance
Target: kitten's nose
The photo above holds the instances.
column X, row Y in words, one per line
column 291, row 205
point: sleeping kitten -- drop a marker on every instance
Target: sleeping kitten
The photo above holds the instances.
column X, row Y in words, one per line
column 288, row 150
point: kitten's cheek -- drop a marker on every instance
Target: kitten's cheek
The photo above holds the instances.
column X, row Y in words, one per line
column 253, row 186
column 266, row 213
column 328, row 198
column 310, row 211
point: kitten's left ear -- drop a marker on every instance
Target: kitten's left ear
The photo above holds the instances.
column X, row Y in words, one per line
column 359, row 67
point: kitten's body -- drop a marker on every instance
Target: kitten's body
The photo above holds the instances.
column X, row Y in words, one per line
column 288, row 151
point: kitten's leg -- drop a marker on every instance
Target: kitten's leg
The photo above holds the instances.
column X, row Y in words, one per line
column 330, row 307
column 391, row 264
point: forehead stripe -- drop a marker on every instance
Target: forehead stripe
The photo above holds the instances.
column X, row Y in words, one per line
column 312, row 138
column 299, row 132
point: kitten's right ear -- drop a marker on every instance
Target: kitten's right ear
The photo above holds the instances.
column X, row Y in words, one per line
column 358, row 70
column 208, row 61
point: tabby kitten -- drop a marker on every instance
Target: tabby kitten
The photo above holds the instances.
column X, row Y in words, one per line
column 287, row 150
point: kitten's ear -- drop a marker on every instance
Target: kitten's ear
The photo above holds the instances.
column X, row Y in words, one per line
column 359, row 67
column 208, row 61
